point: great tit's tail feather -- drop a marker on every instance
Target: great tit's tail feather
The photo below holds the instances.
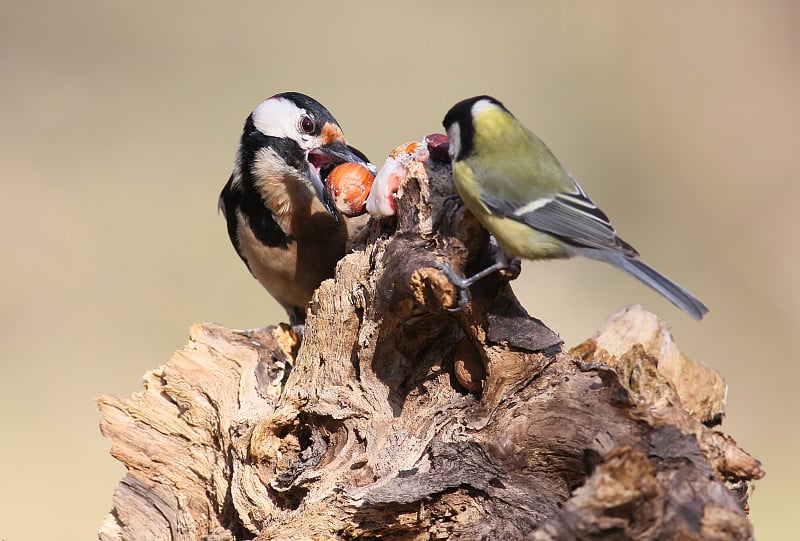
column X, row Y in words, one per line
column 650, row 277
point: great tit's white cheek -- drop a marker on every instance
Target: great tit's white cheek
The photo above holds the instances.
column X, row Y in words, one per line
column 277, row 117
column 454, row 135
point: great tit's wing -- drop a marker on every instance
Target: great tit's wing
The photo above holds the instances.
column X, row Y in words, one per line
column 568, row 214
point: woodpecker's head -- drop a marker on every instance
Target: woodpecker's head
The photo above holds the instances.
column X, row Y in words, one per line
column 291, row 137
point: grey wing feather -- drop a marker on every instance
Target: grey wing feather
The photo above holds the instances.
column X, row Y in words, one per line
column 572, row 217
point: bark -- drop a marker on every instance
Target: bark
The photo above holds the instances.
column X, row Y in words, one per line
column 401, row 419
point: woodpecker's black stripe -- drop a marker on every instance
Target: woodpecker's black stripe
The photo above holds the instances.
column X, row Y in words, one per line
column 261, row 221
column 238, row 199
column 245, row 197
column 253, row 140
column 314, row 108
column 229, row 199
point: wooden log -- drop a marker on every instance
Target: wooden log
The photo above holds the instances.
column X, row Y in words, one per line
column 398, row 418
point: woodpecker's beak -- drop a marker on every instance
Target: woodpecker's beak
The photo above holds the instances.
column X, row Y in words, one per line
column 322, row 160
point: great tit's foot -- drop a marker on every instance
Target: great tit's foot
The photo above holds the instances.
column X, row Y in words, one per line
column 463, row 284
column 491, row 269
column 460, row 284
column 451, row 203
column 509, row 266
column 513, row 270
column 452, row 199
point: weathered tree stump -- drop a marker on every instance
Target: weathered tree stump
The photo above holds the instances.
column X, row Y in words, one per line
column 397, row 418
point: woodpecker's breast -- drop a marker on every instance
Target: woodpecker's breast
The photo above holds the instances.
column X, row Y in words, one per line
column 290, row 243
column 281, row 230
column 291, row 273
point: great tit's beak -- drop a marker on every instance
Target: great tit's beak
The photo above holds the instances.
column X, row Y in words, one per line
column 322, row 160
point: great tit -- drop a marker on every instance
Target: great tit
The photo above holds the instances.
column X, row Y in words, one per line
column 280, row 221
column 514, row 185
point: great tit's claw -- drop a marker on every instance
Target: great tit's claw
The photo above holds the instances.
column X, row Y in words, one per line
column 452, row 199
column 463, row 300
column 463, row 284
column 451, row 274
column 460, row 283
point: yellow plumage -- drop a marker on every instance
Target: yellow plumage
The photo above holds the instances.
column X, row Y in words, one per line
column 514, row 237
column 514, row 185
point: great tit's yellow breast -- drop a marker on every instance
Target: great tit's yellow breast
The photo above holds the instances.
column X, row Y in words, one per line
column 522, row 240
column 467, row 188
column 513, row 236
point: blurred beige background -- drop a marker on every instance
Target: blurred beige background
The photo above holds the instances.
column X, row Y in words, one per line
column 119, row 123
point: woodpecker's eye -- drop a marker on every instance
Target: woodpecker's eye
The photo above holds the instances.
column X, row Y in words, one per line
column 307, row 124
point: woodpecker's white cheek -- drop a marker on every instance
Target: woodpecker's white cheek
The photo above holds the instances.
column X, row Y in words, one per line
column 278, row 117
column 454, row 135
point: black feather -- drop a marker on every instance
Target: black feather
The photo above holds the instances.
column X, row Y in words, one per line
column 461, row 113
column 253, row 140
column 239, row 199
column 313, row 107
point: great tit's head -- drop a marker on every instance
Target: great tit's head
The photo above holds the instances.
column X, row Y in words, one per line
column 461, row 121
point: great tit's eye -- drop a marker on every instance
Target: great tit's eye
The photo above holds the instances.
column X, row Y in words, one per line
column 307, row 124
